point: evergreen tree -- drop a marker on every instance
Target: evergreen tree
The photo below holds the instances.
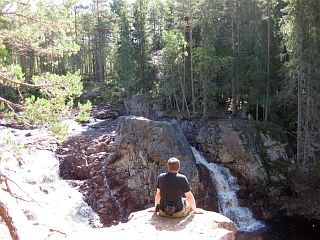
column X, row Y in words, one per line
column 126, row 66
column 141, row 43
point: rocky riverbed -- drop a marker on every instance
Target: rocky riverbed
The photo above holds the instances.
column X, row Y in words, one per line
column 49, row 207
column 107, row 170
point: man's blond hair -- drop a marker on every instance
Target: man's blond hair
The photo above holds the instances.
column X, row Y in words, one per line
column 173, row 164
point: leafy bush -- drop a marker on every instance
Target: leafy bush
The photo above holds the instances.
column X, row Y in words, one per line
column 60, row 130
column 84, row 112
column 8, row 145
column 53, row 103
column 67, row 86
column 7, row 90
column 41, row 111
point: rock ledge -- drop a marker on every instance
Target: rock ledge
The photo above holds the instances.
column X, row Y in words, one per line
column 148, row 225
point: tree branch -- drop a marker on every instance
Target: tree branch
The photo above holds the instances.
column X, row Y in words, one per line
column 22, row 3
column 16, row 221
column 11, row 105
column 6, row 180
column 6, row 79
column 16, row 14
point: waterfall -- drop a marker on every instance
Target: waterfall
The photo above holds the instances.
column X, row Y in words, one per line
column 227, row 187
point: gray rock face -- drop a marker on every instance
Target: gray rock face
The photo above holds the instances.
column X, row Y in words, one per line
column 140, row 106
column 240, row 156
column 119, row 169
column 144, row 146
column 209, row 225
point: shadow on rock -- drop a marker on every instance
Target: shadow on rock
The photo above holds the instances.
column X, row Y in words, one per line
column 170, row 224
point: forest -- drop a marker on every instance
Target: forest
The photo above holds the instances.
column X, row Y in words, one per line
column 257, row 59
column 231, row 72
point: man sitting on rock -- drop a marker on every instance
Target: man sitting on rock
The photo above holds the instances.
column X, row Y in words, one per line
column 171, row 189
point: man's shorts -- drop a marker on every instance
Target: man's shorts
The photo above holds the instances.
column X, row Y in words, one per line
column 186, row 209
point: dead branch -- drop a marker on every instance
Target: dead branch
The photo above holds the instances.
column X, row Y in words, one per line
column 5, row 78
column 16, row 116
column 11, row 105
column 58, row 231
column 4, row 179
column 18, row 42
column 18, row 225
column 22, row 3
column 16, row 14
column 5, row 215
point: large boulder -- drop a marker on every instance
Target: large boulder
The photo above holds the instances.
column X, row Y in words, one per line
column 140, row 105
column 120, row 168
column 143, row 148
column 147, row 225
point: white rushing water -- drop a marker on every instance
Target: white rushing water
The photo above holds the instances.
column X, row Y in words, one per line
column 227, row 187
column 51, row 201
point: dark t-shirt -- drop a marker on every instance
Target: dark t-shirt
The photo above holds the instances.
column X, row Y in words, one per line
column 172, row 187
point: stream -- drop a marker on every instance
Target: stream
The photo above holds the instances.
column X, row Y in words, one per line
column 282, row 228
column 55, row 204
column 227, row 187
column 27, row 157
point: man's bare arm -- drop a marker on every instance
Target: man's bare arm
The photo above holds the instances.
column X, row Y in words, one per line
column 156, row 201
column 157, row 198
column 192, row 202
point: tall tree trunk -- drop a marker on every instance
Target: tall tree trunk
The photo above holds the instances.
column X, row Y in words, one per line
column 100, row 48
column 299, row 86
column 191, row 75
column 184, row 99
column 183, row 83
column 306, row 144
column 257, row 68
column 257, row 109
column 268, row 61
column 205, row 77
column 233, row 79
column 174, row 90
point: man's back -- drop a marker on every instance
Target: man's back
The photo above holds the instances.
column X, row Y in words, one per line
column 172, row 187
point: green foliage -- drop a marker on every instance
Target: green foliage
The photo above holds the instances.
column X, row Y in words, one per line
column 60, row 130
column 84, row 111
column 125, row 58
column 52, row 105
column 145, row 47
column 3, row 53
column 141, row 46
column 275, row 131
column 42, row 112
column 7, row 89
column 7, row 144
column 14, row 71
column 279, row 166
column 65, row 87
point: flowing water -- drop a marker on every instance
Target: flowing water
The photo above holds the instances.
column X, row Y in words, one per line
column 227, row 187
column 51, row 201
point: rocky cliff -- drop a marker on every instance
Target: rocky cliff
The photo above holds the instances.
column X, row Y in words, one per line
column 36, row 204
column 260, row 155
column 119, row 169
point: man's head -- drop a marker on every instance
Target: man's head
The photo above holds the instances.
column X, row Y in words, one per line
column 173, row 164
